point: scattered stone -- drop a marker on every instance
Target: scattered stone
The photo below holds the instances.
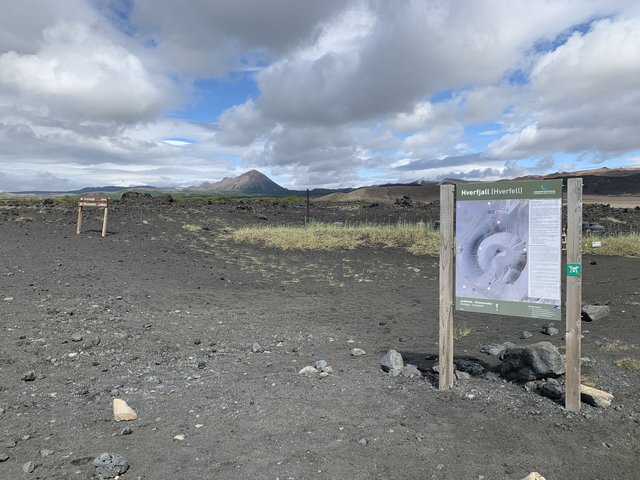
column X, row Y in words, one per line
column 46, row 452
column 525, row 334
column 532, row 362
column 392, row 363
column 307, row 370
column 201, row 364
column 357, row 352
column 320, row 364
column 3, row 457
column 328, row 369
column 491, row 376
column 126, row 430
column 123, row 412
column 76, row 337
column 256, row 348
column 496, row 349
column 363, row 441
column 534, row 476
column 594, row 312
column 531, row 386
column 462, row 375
column 179, row 437
column 595, row 397
column 28, row 467
column 324, row 374
column 551, row 390
column 550, row 330
column 197, row 341
column 414, row 269
column 30, row 376
column 587, row 361
column 474, row 369
column 110, row 465
column 411, row 371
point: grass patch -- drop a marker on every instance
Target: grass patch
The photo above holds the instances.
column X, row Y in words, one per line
column 190, row 227
column 462, row 331
column 419, row 240
column 613, row 346
column 628, row 363
column 621, row 245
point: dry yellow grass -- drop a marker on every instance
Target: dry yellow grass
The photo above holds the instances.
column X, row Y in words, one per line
column 189, row 227
column 628, row 363
column 418, row 239
column 619, row 245
column 613, row 346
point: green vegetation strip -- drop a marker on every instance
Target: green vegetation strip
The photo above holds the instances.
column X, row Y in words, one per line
column 417, row 239
column 621, row 245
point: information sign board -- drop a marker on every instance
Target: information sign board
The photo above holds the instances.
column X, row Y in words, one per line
column 509, row 248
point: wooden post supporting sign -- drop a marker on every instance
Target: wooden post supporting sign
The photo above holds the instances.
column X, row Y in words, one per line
column 93, row 202
column 445, row 377
column 574, row 293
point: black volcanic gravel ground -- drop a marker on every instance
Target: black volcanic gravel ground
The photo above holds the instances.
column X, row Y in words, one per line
column 168, row 318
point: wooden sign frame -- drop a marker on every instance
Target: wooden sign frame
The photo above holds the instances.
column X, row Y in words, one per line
column 573, row 300
column 93, row 202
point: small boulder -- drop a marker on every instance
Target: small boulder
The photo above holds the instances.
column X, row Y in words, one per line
column 307, row 370
column 123, row 412
column 110, row 465
column 411, row 371
column 594, row 312
column 28, row 467
column 392, row 362
column 550, row 330
column 525, row 334
column 474, row 369
column 257, row 348
column 595, row 397
column 357, row 352
column 534, row 476
column 320, row 364
column 3, row 457
column 30, row 376
column 496, row 349
column 551, row 390
column 532, row 362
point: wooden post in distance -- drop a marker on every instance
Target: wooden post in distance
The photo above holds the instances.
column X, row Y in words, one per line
column 79, row 220
column 445, row 379
column 574, row 293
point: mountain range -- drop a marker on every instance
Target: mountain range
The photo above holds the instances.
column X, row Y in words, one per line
column 602, row 181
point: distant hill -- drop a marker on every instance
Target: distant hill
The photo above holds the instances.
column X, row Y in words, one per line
column 601, row 181
column 251, row 182
column 427, row 192
column 82, row 191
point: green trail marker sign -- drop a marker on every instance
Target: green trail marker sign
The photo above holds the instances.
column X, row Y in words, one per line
column 574, row 270
column 508, row 248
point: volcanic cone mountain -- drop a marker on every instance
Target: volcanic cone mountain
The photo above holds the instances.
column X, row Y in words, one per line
column 251, row 182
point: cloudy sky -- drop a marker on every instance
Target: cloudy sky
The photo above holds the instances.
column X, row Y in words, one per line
column 314, row 93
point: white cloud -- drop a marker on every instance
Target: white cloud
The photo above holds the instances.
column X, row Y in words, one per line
column 347, row 89
column 585, row 96
column 81, row 75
